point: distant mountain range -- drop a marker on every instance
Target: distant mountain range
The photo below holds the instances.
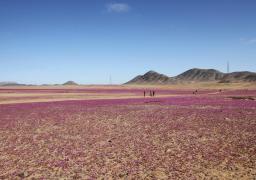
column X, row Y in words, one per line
column 10, row 84
column 194, row 75
column 189, row 76
column 68, row 83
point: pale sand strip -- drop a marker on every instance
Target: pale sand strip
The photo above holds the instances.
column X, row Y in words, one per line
column 71, row 99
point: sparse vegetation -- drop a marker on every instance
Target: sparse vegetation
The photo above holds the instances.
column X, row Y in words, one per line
column 184, row 136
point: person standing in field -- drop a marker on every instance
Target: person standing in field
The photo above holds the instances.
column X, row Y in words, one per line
column 144, row 93
column 153, row 93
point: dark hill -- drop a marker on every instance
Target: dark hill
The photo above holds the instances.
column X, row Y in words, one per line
column 151, row 77
column 200, row 75
column 243, row 76
column 70, row 83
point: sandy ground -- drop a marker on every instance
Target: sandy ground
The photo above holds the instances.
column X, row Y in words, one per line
column 21, row 97
column 67, row 98
column 22, row 94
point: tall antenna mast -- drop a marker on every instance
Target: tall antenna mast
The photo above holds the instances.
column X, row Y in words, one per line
column 228, row 67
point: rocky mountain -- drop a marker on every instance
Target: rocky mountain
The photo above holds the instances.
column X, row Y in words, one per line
column 194, row 75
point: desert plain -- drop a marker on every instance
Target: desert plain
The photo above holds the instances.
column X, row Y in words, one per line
column 114, row 132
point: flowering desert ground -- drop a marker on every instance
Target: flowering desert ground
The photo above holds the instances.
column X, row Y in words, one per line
column 114, row 132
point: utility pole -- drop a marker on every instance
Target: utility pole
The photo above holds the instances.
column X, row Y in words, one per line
column 228, row 67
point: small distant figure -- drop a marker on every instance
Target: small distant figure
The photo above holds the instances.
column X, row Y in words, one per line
column 220, row 90
column 144, row 93
column 153, row 93
column 195, row 92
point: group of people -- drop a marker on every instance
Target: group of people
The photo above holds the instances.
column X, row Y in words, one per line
column 151, row 93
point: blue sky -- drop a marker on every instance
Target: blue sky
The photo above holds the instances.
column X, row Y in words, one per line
column 52, row 41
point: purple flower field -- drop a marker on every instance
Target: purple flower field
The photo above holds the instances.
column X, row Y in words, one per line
column 204, row 136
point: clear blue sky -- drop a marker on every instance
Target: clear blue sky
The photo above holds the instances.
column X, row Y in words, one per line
column 52, row 41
